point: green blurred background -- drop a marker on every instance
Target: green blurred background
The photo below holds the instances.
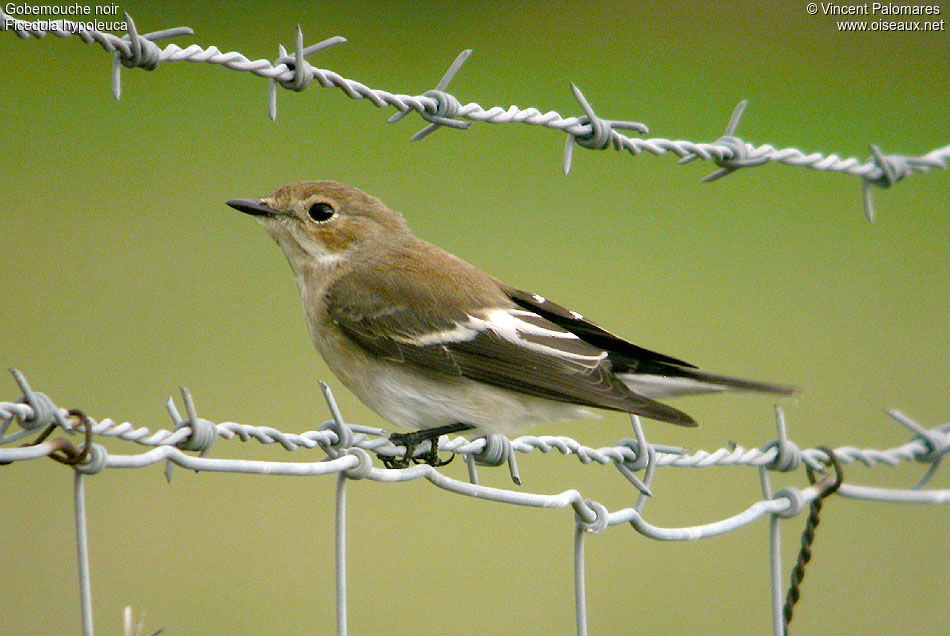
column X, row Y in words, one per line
column 124, row 276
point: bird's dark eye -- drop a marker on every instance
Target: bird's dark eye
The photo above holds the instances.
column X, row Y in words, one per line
column 321, row 212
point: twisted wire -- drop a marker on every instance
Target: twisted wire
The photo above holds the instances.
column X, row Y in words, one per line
column 808, row 539
column 439, row 108
column 347, row 446
column 374, row 440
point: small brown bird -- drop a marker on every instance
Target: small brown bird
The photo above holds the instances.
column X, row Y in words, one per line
column 435, row 345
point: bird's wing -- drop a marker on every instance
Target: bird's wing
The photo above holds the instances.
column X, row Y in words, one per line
column 642, row 370
column 626, row 356
column 496, row 343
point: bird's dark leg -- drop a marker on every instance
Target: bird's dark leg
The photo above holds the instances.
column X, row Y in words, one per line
column 413, row 439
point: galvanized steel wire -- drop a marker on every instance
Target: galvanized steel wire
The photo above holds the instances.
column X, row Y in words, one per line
column 438, row 108
column 345, row 452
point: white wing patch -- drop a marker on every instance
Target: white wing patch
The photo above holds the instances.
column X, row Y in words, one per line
column 462, row 332
column 523, row 328
column 503, row 317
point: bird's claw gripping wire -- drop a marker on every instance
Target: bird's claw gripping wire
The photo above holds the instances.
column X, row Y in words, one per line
column 412, row 440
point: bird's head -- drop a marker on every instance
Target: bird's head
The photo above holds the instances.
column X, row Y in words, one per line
column 321, row 223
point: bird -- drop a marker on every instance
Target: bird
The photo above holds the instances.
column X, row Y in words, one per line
column 434, row 345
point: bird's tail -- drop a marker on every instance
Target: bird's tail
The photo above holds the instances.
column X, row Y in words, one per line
column 664, row 380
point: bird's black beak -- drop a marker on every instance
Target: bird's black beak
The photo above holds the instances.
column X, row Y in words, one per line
column 254, row 208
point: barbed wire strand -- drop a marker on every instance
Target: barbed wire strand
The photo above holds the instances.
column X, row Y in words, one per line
column 347, row 449
column 439, row 108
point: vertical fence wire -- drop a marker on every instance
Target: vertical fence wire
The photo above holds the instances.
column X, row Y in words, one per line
column 82, row 553
column 580, row 589
column 775, row 550
column 340, row 528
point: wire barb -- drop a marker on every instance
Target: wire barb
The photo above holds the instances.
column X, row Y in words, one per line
column 601, row 131
column 446, row 106
column 302, row 73
column 139, row 51
column 203, row 433
column 788, row 456
column 645, row 456
column 738, row 151
column 936, row 444
column 344, row 435
column 44, row 411
column 891, row 168
column 497, row 451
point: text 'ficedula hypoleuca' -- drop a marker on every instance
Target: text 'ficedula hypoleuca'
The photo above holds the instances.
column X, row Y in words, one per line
column 432, row 343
